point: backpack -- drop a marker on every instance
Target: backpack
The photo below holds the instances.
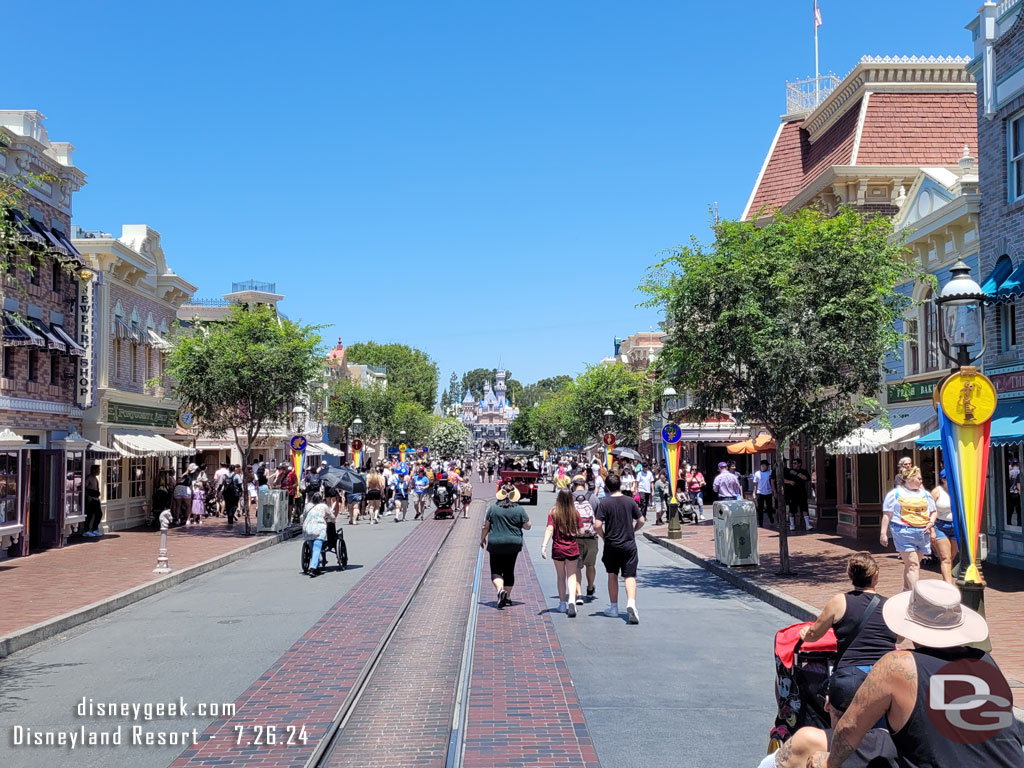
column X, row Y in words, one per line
column 586, row 513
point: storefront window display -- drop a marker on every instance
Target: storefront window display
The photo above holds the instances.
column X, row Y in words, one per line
column 9, row 466
column 1011, row 473
column 74, row 505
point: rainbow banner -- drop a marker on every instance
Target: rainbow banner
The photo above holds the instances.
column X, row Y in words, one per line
column 401, row 452
column 671, row 435
column 357, row 453
column 965, row 402
column 609, row 446
column 298, row 444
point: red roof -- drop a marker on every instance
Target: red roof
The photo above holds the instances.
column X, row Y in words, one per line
column 336, row 354
column 899, row 129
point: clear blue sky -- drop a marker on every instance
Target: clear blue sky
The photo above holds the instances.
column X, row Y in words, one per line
column 487, row 181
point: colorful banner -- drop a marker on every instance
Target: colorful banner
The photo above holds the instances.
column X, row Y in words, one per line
column 401, row 452
column 672, row 435
column 609, row 446
column 966, row 401
column 357, row 453
column 298, row 456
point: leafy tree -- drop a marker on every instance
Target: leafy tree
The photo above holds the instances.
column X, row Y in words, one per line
column 455, row 390
column 520, row 431
column 241, row 377
column 445, row 401
column 18, row 251
column 473, row 381
column 449, row 438
column 514, row 391
column 787, row 322
column 553, row 417
column 375, row 405
column 411, row 372
column 535, row 393
column 627, row 392
column 414, row 419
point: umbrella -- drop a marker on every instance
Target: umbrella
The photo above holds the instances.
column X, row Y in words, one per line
column 760, row 444
column 341, row 478
column 627, row 453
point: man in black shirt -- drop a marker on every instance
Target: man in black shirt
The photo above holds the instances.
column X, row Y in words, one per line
column 796, row 480
column 617, row 519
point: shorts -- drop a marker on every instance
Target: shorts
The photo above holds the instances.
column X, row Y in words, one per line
column 944, row 530
column 622, row 561
column 844, row 684
column 588, row 550
column 353, row 498
column 503, row 566
column 908, row 539
column 566, row 558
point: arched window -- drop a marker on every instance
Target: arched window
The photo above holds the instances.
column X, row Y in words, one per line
column 913, row 356
column 930, row 326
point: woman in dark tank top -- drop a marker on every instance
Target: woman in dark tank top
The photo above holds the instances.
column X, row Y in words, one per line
column 863, row 647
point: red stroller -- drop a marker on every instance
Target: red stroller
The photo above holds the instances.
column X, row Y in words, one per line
column 801, row 670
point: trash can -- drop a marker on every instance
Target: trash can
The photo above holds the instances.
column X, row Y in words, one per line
column 272, row 511
column 735, row 533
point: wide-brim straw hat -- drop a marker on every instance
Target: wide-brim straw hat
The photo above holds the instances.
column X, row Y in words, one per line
column 513, row 495
column 932, row 616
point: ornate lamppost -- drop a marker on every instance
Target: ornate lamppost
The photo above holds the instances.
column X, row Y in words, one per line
column 671, row 436
column 609, row 437
column 356, row 429
column 965, row 401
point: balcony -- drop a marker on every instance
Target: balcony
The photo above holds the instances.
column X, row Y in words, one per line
column 803, row 96
column 254, row 285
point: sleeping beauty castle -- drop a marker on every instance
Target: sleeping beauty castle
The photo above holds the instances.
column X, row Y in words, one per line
column 488, row 418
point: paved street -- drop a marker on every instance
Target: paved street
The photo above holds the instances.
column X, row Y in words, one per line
column 287, row 650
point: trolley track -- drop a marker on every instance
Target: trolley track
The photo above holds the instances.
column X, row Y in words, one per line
column 367, row 705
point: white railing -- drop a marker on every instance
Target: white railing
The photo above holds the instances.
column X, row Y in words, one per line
column 806, row 95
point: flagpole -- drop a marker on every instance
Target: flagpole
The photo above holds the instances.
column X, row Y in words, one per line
column 814, row 21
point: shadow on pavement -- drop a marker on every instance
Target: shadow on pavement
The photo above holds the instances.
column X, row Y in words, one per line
column 685, row 582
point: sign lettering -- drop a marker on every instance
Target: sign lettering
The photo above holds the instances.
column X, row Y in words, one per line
column 84, row 381
column 141, row 416
column 916, row 390
column 1007, row 383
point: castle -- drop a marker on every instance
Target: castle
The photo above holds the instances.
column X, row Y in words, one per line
column 488, row 419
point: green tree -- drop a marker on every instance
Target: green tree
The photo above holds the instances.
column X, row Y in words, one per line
column 520, row 430
column 445, row 401
column 787, row 322
column 552, row 418
column 455, row 390
column 473, row 381
column 627, row 392
column 414, row 419
column 541, row 390
column 449, row 438
column 514, row 391
column 19, row 250
column 375, row 405
column 411, row 372
column 241, row 377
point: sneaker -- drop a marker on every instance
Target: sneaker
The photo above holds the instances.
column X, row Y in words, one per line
column 612, row 611
column 562, row 608
column 631, row 613
column 579, row 599
column 502, row 599
column 591, row 591
column 571, row 610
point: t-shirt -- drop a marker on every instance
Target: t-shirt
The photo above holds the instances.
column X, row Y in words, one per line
column 908, row 507
column 727, row 484
column 799, row 479
column 628, row 484
column 763, row 481
column 618, row 515
column 1014, row 480
column 644, row 481
column 562, row 480
column 564, row 547
column 506, row 528
column 422, row 483
column 694, row 480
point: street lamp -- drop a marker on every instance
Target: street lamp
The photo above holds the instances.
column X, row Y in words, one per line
column 356, row 427
column 609, row 418
column 674, row 529
column 299, row 418
column 961, row 310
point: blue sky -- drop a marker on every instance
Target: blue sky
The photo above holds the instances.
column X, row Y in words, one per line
column 486, row 181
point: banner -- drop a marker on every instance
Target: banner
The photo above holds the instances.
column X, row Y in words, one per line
column 401, row 451
column 298, row 456
column 966, row 401
column 609, row 446
column 357, row 453
column 671, row 435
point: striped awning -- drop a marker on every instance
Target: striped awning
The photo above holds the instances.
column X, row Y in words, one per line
column 53, row 341
column 74, row 348
column 18, row 333
column 138, row 445
column 906, row 424
column 127, row 331
column 157, row 341
column 99, row 452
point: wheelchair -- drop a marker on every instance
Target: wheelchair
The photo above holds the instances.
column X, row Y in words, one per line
column 335, row 543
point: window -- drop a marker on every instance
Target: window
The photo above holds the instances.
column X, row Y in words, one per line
column 114, row 489
column 36, row 268
column 1015, row 156
column 147, row 357
column 136, row 478
column 117, row 359
column 8, row 362
column 133, row 361
column 73, row 484
column 55, row 276
column 33, row 365
column 1012, row 458
column 9, row 512
column 55, row 369
column 913, row 348
column 931, row 333
column 1007, row 323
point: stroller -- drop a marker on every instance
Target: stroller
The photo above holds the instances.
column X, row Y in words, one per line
column 688, row 509
column 335, row 543
column 444, row 500
column 801, row 671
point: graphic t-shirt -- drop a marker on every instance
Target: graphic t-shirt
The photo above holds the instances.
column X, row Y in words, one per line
column 618, row 514
column 908, row 507
column 422, row 483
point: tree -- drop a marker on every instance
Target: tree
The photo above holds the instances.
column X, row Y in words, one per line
column 787, row 322
column 455, row 390
column 414, row 419
column 411, row 372
column 514, row 391
column 627, row 392
column 375, row 405
column 552, row 418
column 18, row 248
column 243, row 375
column 445, row 401
column 520, row 430
column 473, row 381
column 449, row 438
column 535, row 393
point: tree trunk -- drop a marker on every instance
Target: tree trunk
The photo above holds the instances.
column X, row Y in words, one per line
column 245, row 488
column 782, row 451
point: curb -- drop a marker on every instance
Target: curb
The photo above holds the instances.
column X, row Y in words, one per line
column 23, row 638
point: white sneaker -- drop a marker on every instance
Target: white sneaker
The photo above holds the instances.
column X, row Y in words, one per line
column 571, row 610
column 562, row 608
column 633, row 614
column 612, row 611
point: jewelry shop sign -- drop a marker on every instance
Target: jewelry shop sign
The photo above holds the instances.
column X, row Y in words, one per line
column 85, row 387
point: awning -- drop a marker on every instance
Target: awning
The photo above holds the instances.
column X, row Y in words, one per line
column 18, row 333
column 74, row 348
column 998, row 275
column 202, row 447
column 1007, row 427
column 99, row 452
column 68, row 246
column 313, row 449
column 157, row 341
column 53, row 341
column 123, row 330
column 1011, row 287
column 28, row 232
column 139, row 445
column 711, row 432
column 906, row 424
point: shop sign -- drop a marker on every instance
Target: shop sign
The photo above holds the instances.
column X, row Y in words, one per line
column 914, row 390
column 141, row 416
column 84, row 381
column 1008, row 383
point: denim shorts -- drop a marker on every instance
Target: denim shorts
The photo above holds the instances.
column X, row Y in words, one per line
column 908, row 539
column 944, row 530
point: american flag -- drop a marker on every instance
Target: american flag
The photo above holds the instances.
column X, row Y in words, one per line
column 817, row 15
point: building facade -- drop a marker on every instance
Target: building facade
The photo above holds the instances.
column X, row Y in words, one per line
column 137, row 300
column 47, row 378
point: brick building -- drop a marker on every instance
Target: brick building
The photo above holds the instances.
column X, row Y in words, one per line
column 896, row 136
column 137, row 300
column 47, row 367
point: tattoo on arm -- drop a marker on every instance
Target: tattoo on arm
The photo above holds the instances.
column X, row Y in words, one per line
column 784, row 753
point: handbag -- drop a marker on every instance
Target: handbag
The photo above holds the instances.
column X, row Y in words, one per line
column 840, row 650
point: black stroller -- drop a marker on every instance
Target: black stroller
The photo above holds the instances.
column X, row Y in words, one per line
column 335, row 543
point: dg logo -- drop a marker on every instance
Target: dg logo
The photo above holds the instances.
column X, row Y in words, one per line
column 969, row 701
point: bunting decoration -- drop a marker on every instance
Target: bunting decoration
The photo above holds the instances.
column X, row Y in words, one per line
column 298, row 444
column 966, row 401
column 671, row 436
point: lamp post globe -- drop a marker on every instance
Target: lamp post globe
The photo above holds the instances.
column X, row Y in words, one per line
column 609, row 417
column 960, row 306
column 356, row 427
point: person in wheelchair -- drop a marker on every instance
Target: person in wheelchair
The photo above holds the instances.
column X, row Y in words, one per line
column 315, row 529
column 443, row 495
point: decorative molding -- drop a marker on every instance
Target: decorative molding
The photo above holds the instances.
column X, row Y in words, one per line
column 39, row 406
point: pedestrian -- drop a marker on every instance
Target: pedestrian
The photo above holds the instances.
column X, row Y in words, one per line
column 198, row 503
column 943, row 539
column 374, row 495
column 93, row 505
column 862, row 637
column 695, row 483
column 902, row 468
column 764, row 494
column 599, row 487
column 502, row 537
column 232, row 493
column 353, row 504
column 1013, row 493
column 661, row 495
column 218, row 487
column 314, row 526
column 644, row 487
column 421, row 487
column 400, row 493
column 627, row 482
column 726, row 486
column 563, row 532
column 490, row 470
column 162, row 499
column 562, row 479
column 183, row 495
column 795, row 479
column 617, row 519
column 909, row 512
column 466, row 492
column 585, row 501
column 910, row 691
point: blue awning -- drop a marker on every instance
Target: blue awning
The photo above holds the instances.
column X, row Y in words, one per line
column 1011, row 288
column 996, row 278
column 1007, row 427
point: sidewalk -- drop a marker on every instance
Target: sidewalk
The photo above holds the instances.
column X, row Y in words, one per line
column 819, row 561
column 52, row 591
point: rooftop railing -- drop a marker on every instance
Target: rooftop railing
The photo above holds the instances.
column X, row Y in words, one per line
column 807, row 95
column 254, row 285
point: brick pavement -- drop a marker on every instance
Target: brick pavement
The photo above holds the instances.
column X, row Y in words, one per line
column 404, row 716
column 305, row 688
column 523, row 708
column 819, row 560
column 46, row 585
